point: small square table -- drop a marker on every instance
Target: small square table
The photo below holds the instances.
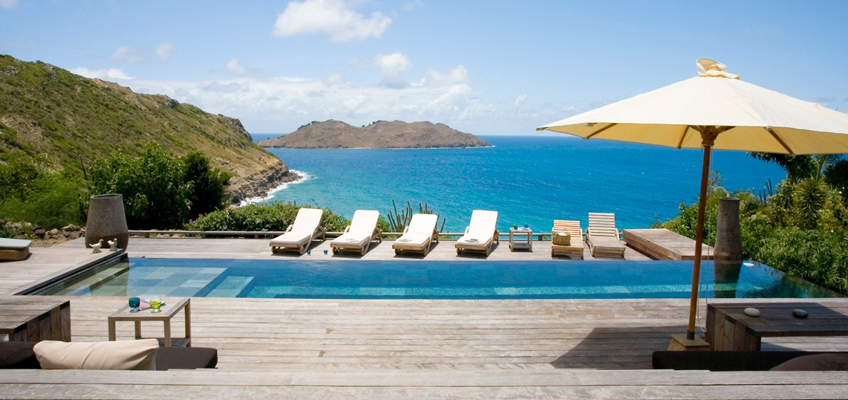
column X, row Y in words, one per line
column 172, row 307
column 520, row 244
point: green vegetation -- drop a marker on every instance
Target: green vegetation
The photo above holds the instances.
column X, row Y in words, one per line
column 276, row 216
column 800, row 228
column 160, row 191
column 30, row 193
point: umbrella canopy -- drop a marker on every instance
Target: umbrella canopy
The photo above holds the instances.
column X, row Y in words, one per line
column 714, row 110
column 754, row 118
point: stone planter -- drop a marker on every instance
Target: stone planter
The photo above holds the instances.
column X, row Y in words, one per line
column 106, row 220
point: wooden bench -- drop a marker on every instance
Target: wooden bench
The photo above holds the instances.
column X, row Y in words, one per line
column 663, row 244
column 730, row 329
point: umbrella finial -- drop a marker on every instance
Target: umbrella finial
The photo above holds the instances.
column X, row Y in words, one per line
column 713, row 68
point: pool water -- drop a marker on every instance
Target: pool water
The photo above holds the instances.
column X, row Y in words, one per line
column 436, row 280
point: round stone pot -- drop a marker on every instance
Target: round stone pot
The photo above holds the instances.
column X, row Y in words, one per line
column 106, row 220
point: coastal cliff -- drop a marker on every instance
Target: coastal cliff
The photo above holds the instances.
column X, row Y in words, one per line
column 73, row 120
column 379, row 135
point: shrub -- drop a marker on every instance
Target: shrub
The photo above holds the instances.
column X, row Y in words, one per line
column 817, row 256
column 276, row 216
column 28, row 193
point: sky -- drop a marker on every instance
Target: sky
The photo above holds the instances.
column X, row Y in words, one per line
column 485, row 67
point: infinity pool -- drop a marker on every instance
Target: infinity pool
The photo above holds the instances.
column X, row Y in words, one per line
column 394, row 279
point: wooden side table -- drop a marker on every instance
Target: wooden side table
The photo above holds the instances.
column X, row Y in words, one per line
column 171, row 308
column 516, row 243
column 33, row 319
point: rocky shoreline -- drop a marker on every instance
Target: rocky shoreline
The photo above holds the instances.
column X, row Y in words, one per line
column 259, row 184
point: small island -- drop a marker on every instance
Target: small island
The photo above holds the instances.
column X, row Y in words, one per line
column 378, row 135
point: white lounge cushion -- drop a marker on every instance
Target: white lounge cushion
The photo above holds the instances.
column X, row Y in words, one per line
column 423, row 223
column 303, row 227
column 126, row 354
column 483, row 222
column 361, row 229
column 419, row 233
column 481, row 231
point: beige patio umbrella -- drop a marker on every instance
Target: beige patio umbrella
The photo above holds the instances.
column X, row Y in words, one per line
column 714, row 110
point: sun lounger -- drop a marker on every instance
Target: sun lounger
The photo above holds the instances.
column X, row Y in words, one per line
column 574, row 250
column 358, row 236
column 14, row 249
column 419, row 235
column 305, row 228
column 602, row 236
column 480, row 233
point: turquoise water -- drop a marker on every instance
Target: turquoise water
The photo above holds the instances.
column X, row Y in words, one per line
column 352, row 279
column 529, row 180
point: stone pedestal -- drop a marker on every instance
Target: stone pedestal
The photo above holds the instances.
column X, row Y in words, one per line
column 728, row 246
column 106, row 220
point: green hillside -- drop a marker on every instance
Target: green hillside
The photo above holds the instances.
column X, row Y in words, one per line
column 75, row 120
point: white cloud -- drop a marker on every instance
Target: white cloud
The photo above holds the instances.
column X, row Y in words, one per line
column 391, row 66
column 127, row 54
column 164, row 52
column 235, row 67
column 457, row 75
column 333, row 17
column 8, row 3
column 109, row 74
column 520, row 99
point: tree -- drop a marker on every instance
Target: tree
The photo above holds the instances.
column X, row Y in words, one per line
column 155, row 193
column 209, row 184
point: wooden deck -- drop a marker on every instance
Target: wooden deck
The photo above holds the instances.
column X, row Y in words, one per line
column 382, row 349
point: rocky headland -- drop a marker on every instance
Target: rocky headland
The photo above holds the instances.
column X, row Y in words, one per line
column 334, row 134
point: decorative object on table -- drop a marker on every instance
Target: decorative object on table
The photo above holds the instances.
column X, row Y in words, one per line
column 514, row 226
column 113, row 244
column 156, row 304
column 752, row 312
column 106, row 220
column 134, row 303
column 96, row 248
column 799, row 313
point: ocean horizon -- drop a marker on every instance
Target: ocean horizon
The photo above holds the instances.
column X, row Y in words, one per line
column 529, row 180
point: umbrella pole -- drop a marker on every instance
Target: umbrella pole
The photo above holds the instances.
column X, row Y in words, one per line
column 708, row 138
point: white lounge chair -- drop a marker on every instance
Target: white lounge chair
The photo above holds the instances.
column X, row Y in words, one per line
column 602, row 236
column 419, row 235
column 480, row 233
column 359, row 234
column 305, row 228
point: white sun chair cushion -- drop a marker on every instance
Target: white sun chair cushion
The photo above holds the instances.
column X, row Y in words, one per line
column 362, row 229
column 419, row 234
column 481, row 232
column 301, row 231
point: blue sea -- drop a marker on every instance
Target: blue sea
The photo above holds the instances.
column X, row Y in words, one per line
column 529, row 180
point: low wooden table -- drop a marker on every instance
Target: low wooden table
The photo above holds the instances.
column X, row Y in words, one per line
column 172, row 307
column 515, row 243
column 728, row 328
column 33, row 319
